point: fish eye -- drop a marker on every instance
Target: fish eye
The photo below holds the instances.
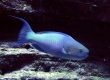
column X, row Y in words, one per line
column 80, row 50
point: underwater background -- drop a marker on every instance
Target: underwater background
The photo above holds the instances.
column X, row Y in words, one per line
column 87, row 21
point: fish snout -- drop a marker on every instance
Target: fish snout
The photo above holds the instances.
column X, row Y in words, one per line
column 86, row 53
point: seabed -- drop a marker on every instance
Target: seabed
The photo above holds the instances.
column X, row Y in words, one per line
column 30, row 64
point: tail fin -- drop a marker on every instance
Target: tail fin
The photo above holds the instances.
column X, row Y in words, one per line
column 23, row 32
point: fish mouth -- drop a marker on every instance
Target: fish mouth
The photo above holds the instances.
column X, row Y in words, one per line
column 80, row 57
column 83, row 57
column 86, row 55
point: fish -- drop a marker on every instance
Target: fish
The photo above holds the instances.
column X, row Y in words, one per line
column 55, row 43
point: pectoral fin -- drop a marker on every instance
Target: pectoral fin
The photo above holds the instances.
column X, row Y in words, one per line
column 64, row 51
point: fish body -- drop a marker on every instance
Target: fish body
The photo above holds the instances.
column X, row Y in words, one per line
column 55, row 43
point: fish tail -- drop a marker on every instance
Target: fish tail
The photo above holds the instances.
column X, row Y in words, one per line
column 23, row 34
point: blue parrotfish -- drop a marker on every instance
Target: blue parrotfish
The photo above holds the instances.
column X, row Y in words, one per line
column 57, row 44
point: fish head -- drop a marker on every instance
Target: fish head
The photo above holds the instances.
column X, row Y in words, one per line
column 76, row 51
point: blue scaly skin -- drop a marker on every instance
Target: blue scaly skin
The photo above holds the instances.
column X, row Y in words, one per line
column 55, row 43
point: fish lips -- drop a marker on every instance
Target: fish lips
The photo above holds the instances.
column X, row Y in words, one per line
column 85, row 56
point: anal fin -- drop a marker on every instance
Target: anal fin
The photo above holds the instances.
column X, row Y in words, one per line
column 38, row 48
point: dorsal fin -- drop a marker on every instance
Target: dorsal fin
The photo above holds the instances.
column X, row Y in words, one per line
column 48, row 32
